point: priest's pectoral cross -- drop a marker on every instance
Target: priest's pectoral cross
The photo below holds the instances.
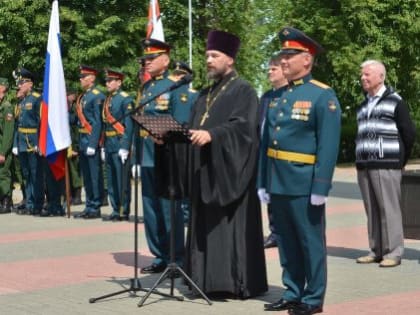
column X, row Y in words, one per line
column 204, row 118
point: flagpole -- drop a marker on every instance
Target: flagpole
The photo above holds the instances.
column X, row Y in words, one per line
column 67, row 186
column 190, row 32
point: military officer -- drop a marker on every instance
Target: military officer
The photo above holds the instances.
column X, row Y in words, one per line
column 89, row 108
column 156, row 209
column 7, row 123
column 269, row 99
column 25, row 142
column 299, row 151
column 118, row 136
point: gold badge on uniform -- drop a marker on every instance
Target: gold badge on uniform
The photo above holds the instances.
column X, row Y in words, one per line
column 28, row 106
column 273, row 103
column 184, row 97
column 332, row 106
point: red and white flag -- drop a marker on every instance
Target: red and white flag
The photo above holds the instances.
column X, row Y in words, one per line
column 154, row 26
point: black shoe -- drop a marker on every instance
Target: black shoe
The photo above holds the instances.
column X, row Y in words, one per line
column 281, row 305
column 305, row 309
column 125, row 217
column 21, row 205
column 153, row 268
column 35, row 211
column 81, row 215
column 45, row 213
column 93, row 214
column 114, row 216
column 21, row 211
column 270, row 241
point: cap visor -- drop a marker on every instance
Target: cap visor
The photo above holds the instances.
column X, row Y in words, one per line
column 290, row 51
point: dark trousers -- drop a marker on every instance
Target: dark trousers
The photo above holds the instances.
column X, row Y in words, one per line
column 302, row 247
column 33, row 174
column 116, row 173
column 157, row 221
column 92, row 178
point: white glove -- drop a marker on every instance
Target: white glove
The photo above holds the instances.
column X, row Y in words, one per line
column 123, row 154
column 318, row 200
column 135, row 171
column 103, row 154
column 15, row 151
column 264, row 197
column 90, row 151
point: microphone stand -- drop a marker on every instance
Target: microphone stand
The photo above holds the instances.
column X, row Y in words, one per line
column 135, row 284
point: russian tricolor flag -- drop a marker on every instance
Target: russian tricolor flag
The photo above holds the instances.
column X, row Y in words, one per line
column 54, row 135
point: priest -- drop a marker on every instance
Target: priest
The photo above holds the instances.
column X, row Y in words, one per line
column 225, row 255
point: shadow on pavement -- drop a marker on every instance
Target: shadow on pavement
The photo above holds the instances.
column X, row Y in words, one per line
column 352, row 253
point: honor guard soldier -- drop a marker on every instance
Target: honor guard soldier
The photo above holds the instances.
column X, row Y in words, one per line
column 89, row 109
column 7, row 124
column 118, row 135
column 25, row 143
column 156, row 209
column 299, row 150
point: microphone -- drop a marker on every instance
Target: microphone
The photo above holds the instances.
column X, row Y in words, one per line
column 184, row 80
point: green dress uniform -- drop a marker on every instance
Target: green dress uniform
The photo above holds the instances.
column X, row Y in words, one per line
column 7, row 123
column 268, row 100
column 91, row 102
column 26, row 142
column 156, row 210
column 298, row 155
column 118, row 104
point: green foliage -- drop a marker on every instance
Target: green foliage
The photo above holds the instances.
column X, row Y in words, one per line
column 107, row 33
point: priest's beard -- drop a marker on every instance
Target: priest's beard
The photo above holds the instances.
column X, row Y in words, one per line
column 213, row 74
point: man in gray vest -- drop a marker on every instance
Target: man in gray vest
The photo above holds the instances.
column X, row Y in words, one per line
column 385, row 136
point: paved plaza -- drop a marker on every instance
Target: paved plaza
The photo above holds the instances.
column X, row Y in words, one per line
column 55, row 265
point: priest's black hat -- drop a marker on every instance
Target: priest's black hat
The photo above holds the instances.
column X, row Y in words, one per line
column 222, row 41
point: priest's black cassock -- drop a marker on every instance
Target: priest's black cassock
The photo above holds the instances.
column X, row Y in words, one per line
column 225, row 240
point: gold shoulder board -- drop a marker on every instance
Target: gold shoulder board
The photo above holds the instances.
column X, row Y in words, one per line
column 95, row 91
column 36, row 94
column 172, row 78
column 320, row 84
column 124, row 94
